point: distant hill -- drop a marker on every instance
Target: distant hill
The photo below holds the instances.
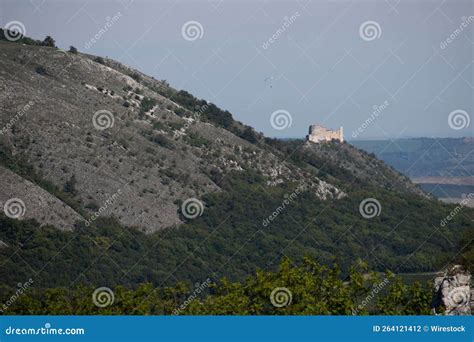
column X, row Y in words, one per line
column 425, row 157
column 443, row 167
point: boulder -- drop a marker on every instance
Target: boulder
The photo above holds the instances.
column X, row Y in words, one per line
column 452, row 292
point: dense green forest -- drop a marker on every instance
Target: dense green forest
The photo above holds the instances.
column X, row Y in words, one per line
column 230, row 240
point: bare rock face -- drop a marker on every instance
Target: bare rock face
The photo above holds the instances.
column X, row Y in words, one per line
column 452, row 292
column 155, row 156
column 21, row 199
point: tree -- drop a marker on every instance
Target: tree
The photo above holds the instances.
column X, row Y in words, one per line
column 305, row 289
column 99, row 60
column 70, row 185
column 249, row 135
column 72, row 49
column 49, row 41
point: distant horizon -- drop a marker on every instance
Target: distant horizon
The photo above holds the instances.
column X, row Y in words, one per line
column 383, row 70
column 383, row 138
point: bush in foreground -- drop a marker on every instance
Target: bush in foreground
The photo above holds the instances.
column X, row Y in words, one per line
column 306, row 289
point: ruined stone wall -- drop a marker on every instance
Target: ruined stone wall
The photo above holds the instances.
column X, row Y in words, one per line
column 319, row 133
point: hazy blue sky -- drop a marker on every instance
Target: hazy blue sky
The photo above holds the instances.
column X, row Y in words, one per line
column 321, row 67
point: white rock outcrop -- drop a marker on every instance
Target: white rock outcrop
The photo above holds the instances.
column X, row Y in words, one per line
column 452, row 290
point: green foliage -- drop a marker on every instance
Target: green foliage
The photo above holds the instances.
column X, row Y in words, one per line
column 209, row 112
column 405, row 299
column 99, row 60
column 249, row 135
column 307, row 227
column 21, row 40
column 49, row 41
column 136, row 76
column 176, row 125
column 179, row 111
column 466, row 246
column 310, row 289
column 147, row 104
column 162, row 140
column 196, row 140
column 21, row 167
column 158, row 125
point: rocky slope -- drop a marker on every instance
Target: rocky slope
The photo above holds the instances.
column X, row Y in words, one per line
column 84, row 140
column 56, row 109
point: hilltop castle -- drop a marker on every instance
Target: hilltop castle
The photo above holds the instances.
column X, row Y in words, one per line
column 318, row 133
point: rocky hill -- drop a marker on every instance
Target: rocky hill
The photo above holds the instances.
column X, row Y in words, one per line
column 156, row 152
column 109, row 156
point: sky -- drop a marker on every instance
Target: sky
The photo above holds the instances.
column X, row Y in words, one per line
column 380, row 69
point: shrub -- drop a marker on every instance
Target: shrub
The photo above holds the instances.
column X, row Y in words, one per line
column 179, row 111
column 163, row 141
column 249, row 135
column 196, row 140
column 147, row 104
column 99, row 60
column 72, row 49
column 158, row 125
column 136, row 76
column 40, row 70
column 70, row 185
column 49, row 41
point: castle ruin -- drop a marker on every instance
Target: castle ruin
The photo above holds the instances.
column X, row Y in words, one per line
column 318, row 133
